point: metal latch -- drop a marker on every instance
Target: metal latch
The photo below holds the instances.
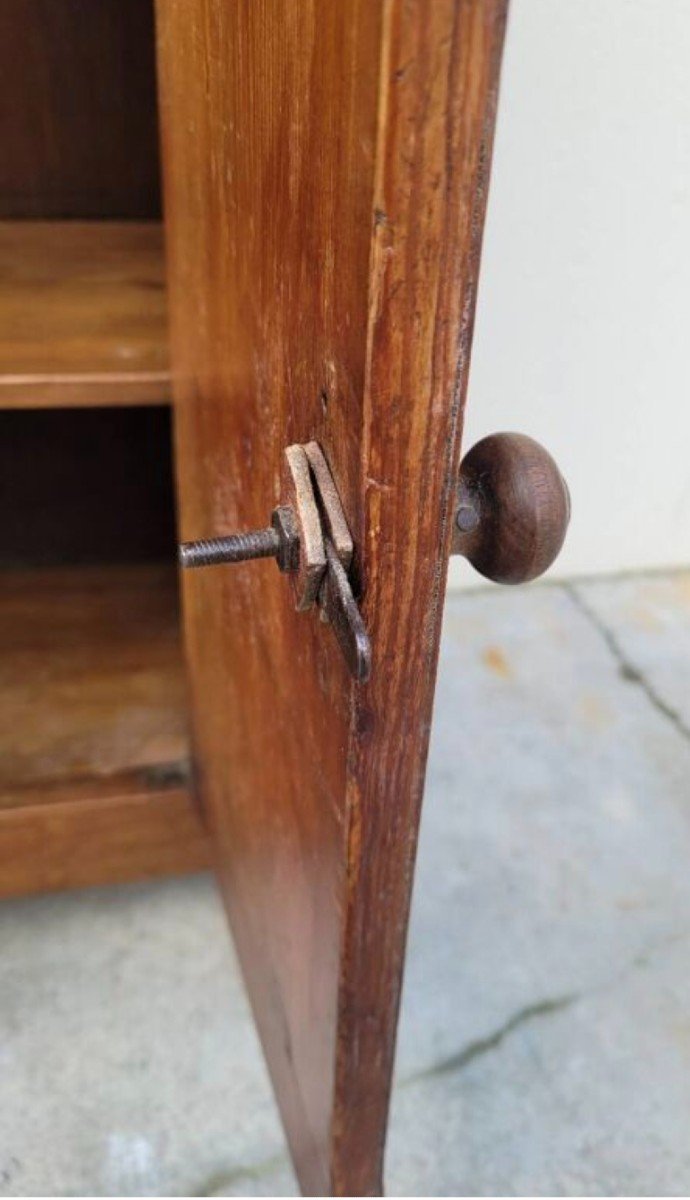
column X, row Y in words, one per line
column 309, row 539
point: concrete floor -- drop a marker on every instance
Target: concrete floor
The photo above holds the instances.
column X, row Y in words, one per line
column 545, row 1035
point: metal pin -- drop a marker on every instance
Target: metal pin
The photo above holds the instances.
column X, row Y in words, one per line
column 279, row 541
column 238, row 547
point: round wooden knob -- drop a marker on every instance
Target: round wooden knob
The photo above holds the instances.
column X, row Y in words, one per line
column 513, row 508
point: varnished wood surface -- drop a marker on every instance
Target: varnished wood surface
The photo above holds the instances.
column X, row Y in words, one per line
column 78, row 123
column 101, row 830
column 325, row 201
column 91, row 676
column 94, row 757
column 82, row 314
column 521, row 506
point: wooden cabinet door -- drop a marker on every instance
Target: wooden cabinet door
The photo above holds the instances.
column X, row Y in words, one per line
column 325, row 174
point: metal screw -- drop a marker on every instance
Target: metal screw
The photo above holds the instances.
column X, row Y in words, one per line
column 469, row 513
column 279, row 541
column 263, row 543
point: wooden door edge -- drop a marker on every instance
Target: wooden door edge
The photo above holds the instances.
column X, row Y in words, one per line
column 445, row 224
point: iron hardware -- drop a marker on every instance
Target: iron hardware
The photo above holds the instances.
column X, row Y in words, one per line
column 310, row 539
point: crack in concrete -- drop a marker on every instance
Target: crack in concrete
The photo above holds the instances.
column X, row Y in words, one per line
column 475, row 1049
column 220, row 1181
column 540, row 1008
column 446, row 1066
column 627, row 669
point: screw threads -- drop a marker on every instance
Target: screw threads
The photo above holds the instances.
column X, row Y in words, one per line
column 239, row 547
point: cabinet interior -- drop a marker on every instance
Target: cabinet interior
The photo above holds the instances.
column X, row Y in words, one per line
column 92, row 705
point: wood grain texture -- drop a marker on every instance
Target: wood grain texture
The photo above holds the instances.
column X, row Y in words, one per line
column 83, row 316
column 324, row 198
column 94, row 756
column 91, row 676
column 78, row 122
column 521, row 504
column 88, row 832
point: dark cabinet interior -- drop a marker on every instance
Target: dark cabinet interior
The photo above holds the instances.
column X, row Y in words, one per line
column 94, row 782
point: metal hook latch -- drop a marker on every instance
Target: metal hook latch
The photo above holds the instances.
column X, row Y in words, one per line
column 310, row 539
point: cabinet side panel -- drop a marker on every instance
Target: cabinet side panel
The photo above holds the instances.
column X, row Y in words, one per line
column 325, row 176
column 269, row 113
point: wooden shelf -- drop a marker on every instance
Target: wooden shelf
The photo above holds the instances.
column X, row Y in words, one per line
column 82, row 314
column 93, row 734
